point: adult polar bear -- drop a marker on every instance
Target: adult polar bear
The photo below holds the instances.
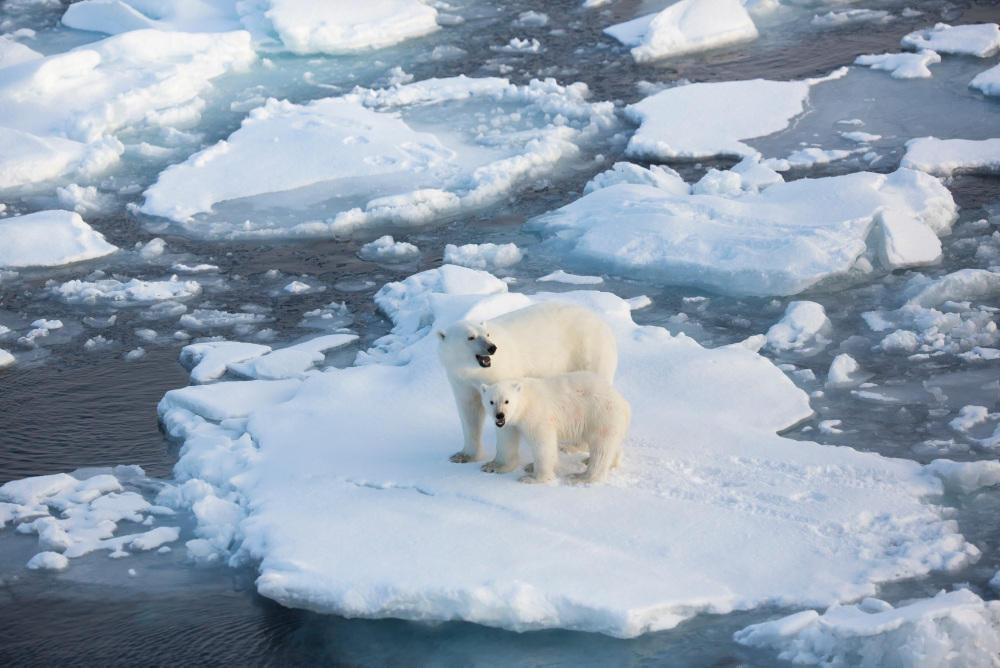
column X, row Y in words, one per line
column 537, row 341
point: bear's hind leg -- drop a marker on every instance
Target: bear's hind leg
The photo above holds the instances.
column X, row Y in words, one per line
column 604, row 455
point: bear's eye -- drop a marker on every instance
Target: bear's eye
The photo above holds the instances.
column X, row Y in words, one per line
column 506, row 401
column 472, row 338
column 491, row 403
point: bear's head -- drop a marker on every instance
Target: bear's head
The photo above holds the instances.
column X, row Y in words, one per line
column 502, row 400
column 464, row 341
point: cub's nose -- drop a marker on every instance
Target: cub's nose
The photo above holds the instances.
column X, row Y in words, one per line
column 492, row 349
column 500, row 416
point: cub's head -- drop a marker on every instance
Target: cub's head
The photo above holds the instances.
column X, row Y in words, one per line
column 466, row 342
column 502, row 400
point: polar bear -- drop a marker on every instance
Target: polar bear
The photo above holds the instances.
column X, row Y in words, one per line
column 580, row 407
column 537, row 341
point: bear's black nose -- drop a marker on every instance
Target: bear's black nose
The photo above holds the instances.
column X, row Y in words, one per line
column 492, row 349
column 499, row 416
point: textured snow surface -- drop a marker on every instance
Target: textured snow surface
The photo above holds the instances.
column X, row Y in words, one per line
column 287, row 488
column 779, row 241
column 49, row 238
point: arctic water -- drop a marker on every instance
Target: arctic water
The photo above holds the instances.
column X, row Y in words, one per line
column 77, row 398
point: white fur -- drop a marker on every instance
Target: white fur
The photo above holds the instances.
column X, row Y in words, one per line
column 580, row 407
column 534, row 342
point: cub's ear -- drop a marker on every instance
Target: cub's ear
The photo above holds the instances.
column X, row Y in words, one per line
column 482, row 388
column 517, row 387
column 440, row 334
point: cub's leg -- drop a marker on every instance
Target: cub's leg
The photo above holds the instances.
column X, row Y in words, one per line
column 508, row 454
column 545, row 449
column 603, row 455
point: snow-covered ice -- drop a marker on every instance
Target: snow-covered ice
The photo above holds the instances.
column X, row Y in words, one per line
column 421, row 175
column 988, row 82
column 981, row 40
column 706, row 119
column 686, row 27
column 779, row 241
column 483, row 256
column 944, row 157
column 524, row 556
column 902, row 65
column 803, row 325
column 111, row 291
column 386, row 249
column 48, row 239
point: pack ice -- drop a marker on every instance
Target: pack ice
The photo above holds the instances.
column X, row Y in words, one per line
column 402, row 156
column 49, row 238
column 777, row 241
column 338, row 485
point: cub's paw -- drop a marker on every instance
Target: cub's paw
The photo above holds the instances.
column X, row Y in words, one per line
column 463, row 458
column 581, row 479
column 529, row 468
column 496, row 467
column 530, row 479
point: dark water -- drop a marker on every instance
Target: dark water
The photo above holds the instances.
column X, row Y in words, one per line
column 77, row 409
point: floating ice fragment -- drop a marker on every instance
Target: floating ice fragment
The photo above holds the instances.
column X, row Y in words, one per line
column 836, row 19
column 517, row 45
column 483, row 256
column 385, row 249
column 965, row 477
column 49, row 238
column 982, row 40
column 113, row 292
column 902, row 65
column 804, row 323
column 808, row 157
column 844, row 372
column 969, row 417
column 988, row 82
column 944, row 157
column 560, row 276
column 50, row 561
column 6, row 359
column 208, row 361
column 659, row 176
column 686, row 27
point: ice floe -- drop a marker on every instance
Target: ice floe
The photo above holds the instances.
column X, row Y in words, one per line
column 803, row 326
column 386, row 249
column 779, row 241
column 707, row 119
column 836, row 19
column 267, row 462
column 953, row 628
column 496, row 136
column 988, row 82
column 944, row 157
column 111, row 291
column 686, row 27
column 981, row 40
column 902, row 65
column 49, row 238
column 59, row 114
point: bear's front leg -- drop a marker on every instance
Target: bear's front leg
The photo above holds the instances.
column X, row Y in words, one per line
column 472, row 414
column 545, row 449
column 508, row 455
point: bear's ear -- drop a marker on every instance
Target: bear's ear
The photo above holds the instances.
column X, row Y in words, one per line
column 517, row 387
column 440, row 334
column 482, row 388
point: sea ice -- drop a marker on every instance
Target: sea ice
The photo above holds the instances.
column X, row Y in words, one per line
column 981, row 40
column 420, row 175
column 560, row 276
column 707, row 119
column 836, row 19
column 944, row 157
column 208, row 360
column 779, row 241
column 955, row 628
column 686, row 27
column 804, row 325
column 117, row 293
column 48, row 239
column 6, row 359
column 702, row 451
column 902, row 65
column 658, row 176
column 292, row 361
column 12, row 53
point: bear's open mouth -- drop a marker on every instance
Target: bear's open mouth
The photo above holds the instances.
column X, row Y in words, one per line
column 484, row 361
column 501, row 422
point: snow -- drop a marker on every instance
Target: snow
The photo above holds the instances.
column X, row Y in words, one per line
column 483, row 256
column 779, row 241
column 708, row 119
column 419, row 176
column 944, row 157
column 208, row 361
column 804, row 323
column 48, row 239
column 843, row 371
column 953, row 628
column 12, row 53
column 685, row 27
column 386, row 249
column 658, row 176
column 902, row 65
column 292, row 361
column 560, row 276
column 320, row 452
column 981, row 40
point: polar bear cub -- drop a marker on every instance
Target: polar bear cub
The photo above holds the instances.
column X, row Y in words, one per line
column 579, row 407
column 538, row 341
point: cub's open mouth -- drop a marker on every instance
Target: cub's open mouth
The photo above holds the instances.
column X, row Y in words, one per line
column 484, row 361
column 501, row 422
